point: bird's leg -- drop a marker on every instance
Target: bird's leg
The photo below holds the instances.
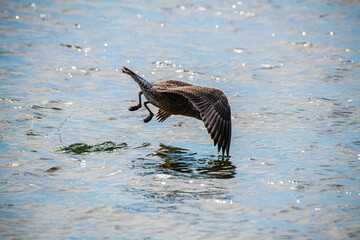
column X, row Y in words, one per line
column 148, row 118
column 136, row 107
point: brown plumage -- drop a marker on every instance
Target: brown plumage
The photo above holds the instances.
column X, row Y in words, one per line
column 179, row 98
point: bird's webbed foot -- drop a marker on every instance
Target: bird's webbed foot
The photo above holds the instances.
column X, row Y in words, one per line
column 148, row 118
column 136, row 107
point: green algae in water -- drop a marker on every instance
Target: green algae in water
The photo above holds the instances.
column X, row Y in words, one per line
column 82, row 148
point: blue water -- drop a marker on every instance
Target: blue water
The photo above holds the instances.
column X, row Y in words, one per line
column 76, row 164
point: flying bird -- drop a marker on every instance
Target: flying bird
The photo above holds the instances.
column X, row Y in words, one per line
column 174, row 97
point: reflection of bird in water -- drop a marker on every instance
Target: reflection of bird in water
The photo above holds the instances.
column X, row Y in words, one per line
column 179, row 98
column 183, row 161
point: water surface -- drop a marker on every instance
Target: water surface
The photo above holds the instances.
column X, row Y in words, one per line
column 75, row 163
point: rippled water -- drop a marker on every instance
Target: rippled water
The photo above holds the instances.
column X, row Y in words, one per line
column 75, row 163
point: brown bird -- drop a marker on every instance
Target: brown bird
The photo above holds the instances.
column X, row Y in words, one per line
column 179, row 98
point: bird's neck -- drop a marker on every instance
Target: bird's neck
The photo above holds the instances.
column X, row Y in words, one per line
column 144, row 84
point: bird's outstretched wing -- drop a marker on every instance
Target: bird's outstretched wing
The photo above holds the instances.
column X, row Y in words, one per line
column 214, row 110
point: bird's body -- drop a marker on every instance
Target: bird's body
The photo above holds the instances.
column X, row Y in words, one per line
column 163, row 96
column 179, row 98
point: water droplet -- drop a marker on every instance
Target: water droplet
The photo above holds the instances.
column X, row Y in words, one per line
column 163, row 176
column 250, row 14
column 238, row 50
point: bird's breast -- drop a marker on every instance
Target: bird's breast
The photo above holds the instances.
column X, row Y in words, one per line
column 151, row 98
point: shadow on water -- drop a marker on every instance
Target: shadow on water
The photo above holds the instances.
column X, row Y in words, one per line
column 175, row 160
column 180, row 160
